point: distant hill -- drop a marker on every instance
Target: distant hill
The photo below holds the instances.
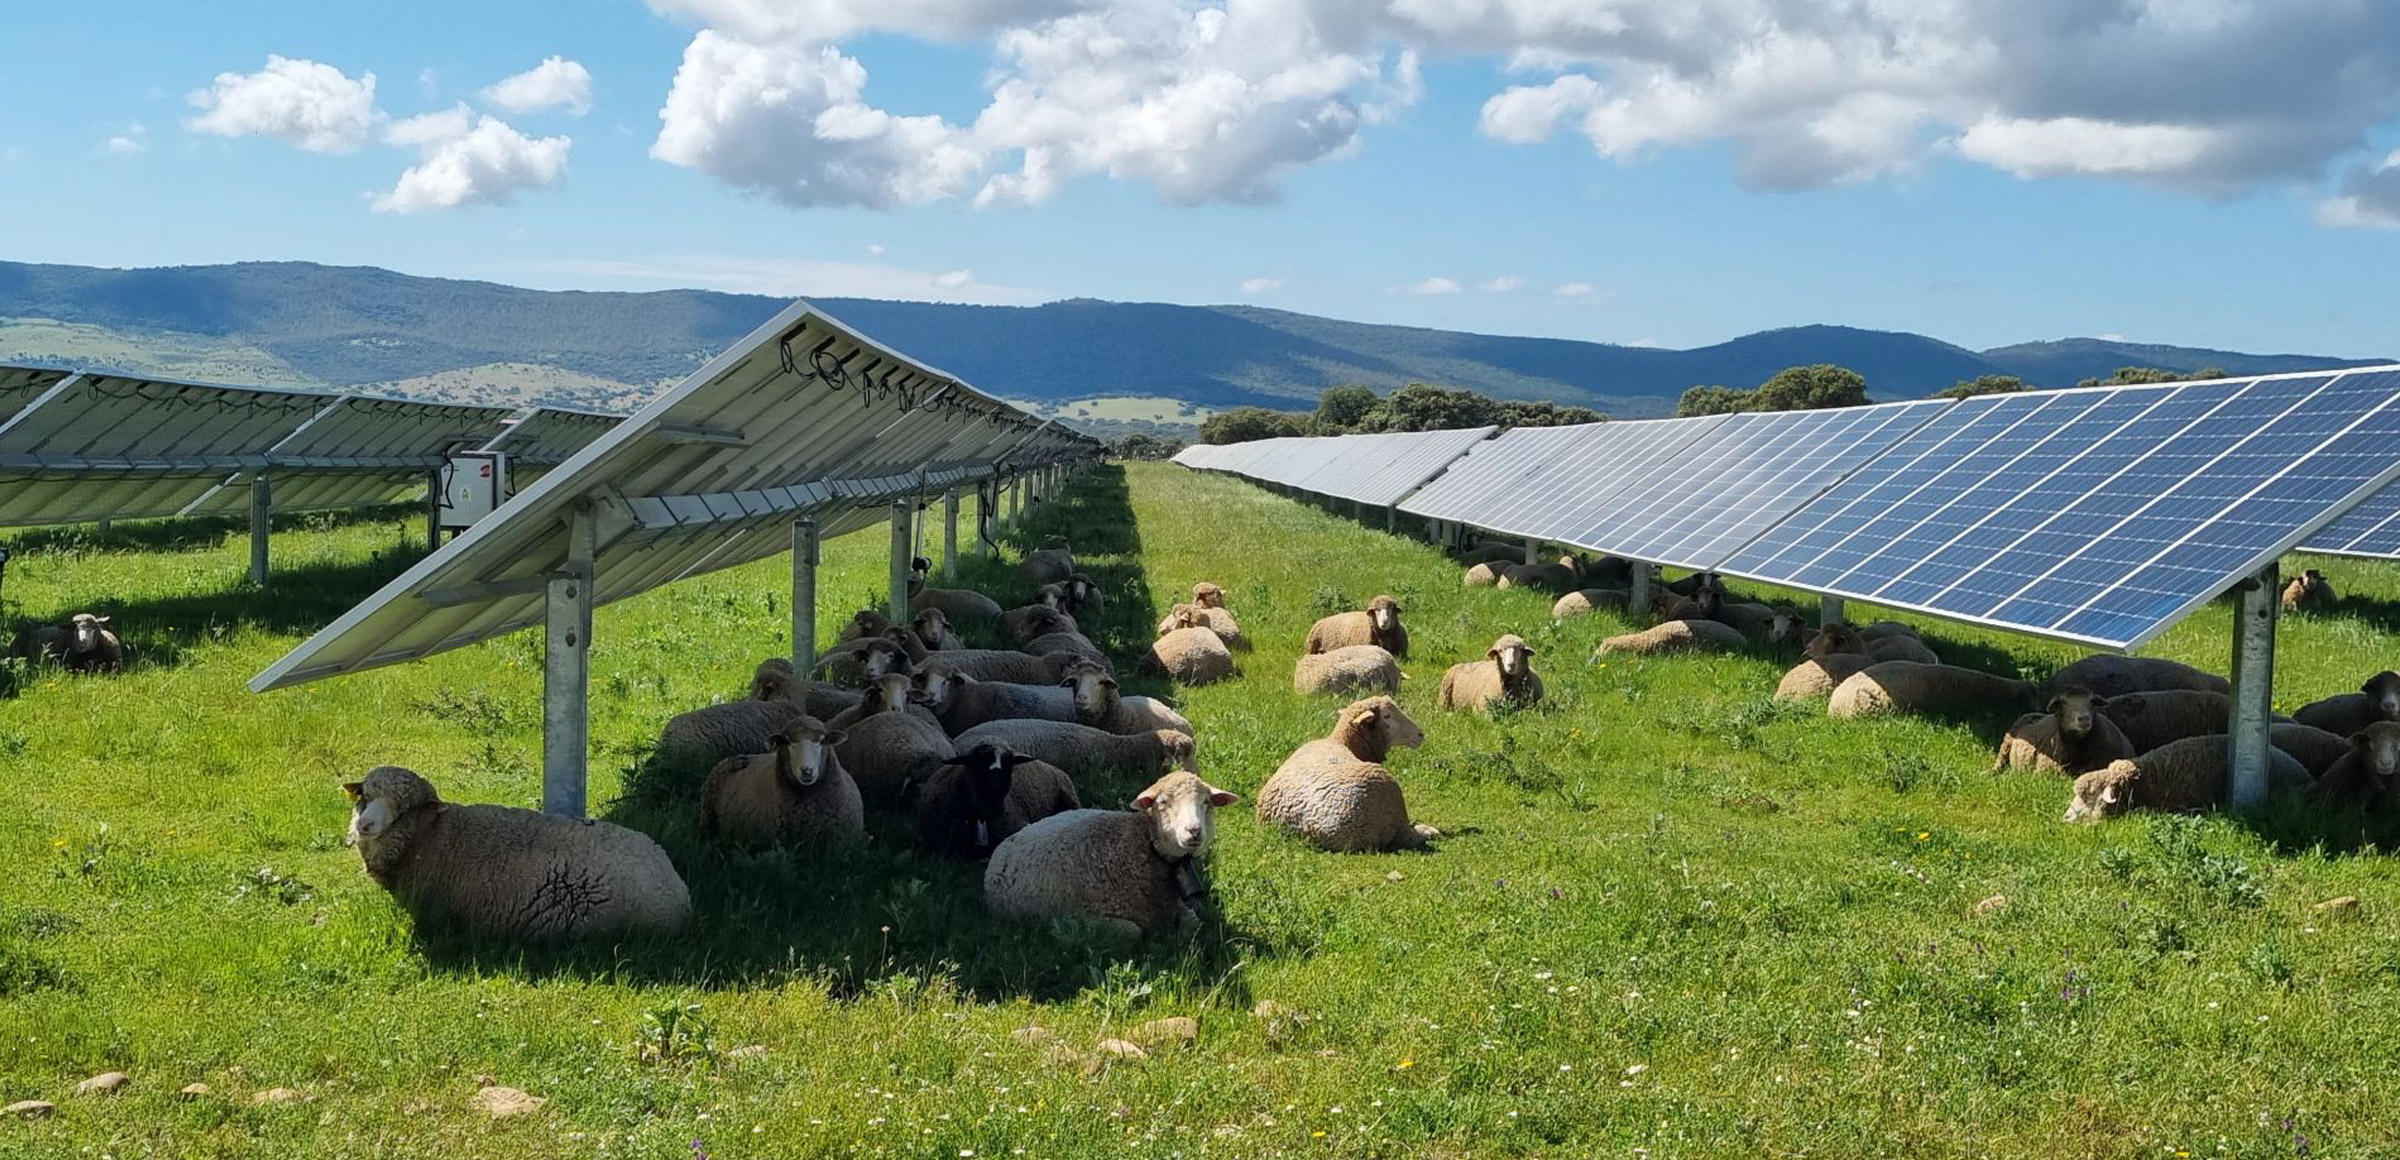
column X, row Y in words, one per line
column 359, row 326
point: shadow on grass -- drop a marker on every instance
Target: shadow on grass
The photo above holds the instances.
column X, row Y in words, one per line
column 184, row 535
column 877, row 916
column 2293, row 823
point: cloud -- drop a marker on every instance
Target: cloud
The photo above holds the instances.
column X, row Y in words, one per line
column 1579, row 292
column 1261, row 285
column 1526, row 114
column 1433, row 285
column 135, row 139
column 954, row 279
column 786, row 278
column 2369, row 196
column 311, row 105
column 1500, row 285
column 556, row 83
column 465, row 159
column 429, row 80
column 874, row 249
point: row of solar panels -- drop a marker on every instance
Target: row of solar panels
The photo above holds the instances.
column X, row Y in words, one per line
column 2097, row 515
column 79, row 446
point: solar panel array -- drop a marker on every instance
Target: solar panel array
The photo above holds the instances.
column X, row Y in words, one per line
column 361, row 451
column 1374, row 469
column 2098, row 515
column 805, row 418
column 545, row 437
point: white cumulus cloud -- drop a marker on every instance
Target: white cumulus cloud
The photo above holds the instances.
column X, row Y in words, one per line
column 1500, row 285
column 1261, row 285
column 556, row 83
column 1578, row 292
column 135, row 139
column 2369, row 196
column 1434, row 285
column 954, row 279
column 465, row 159
column 314, row 106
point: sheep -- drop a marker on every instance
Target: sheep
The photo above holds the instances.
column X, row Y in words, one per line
column 1505, row 675
column 961, row 605
column 509, row 873
column 1484, row 575
column 1024, row 624
column 776, row 680
column 2364, row 776
column 1676, row 636
column 1378, row 625
column 977, row 799
column 1134, row 871
column 1216, row 620
column 1585, row 601
column 694, row 742
column 1208, row 595
column 1564, row 576
column 1609, row 572
column 1053, row 563
column 1492, row 553
column 2150, row 720
column 864, row 624
column 1786, row 629
column 1010, row 665
column 2110, row 676
column 893, row 692
column 1757, row 621
column 2182, row 777
column 2308, row 591
column 1080, row 749
column 2315, row 749
column 859, row 662
column 84, row 644
column 961, row 703
column 1210, row 599
column 1841, row 638
column 1191, row 653
column 1067, row 642
column 932, row 629
column 1696, row 583
column 2070, row 738
column 893, row 744
column 1701, row 605
column 2377, row 700
column 1083, row 594
column 1881, row 629
column 796, row 793
column 1359, row 668
column 1816, row 678
column 1909, row 686
column 1100, row 704
column 1335, row 791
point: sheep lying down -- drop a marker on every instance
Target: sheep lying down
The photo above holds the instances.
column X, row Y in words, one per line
column 1336, row 793
column 2179, row 777
column 1135, row 871
column 506, row 873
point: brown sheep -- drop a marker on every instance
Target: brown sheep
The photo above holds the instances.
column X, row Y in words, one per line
column 1053, row 563
column 863, row 624
column 2314, row 749
column 2308, row 591
column 1190, row 652
column 799, row 792
column 2150, row 720
column 776, row 680
column 2071, row 738
column 1585, row 601
column 961, row 605
column 1492, row 553
column 1335, row 791
column 1505, row 675
column 1909, row 686
column 932, row 629
column 2112, row 676
column 1677, row 636
column 2184, row 776
column 1701, row 605
column 2365, row 775
column 1564, row 576
column 2377, row 700
column 1816, row 678
column 1378, row 625
column 1216, row 620
column 1024, row 624
column 1841, row 638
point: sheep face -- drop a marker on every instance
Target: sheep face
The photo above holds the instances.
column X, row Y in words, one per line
column 1181, row 751
column 930, row 625
column 990, row 770
column 803, row 752
column 1055, row 543
column 2077, row 709
column 881, row 657
column 87, row 630
column 1208, row 595
column 387, row 792
column 1182, row 811
column 2100, row 793
column 1384, row 613
column 2383, row 691
column 1785, row 628
column 869, row 622
column 1512, row 654
column 1081, row 590
column 1834, row 639
column 1381, row 718
column 1051, row 596
column 2378, row 748
column 1184, row 616
column 1095, row 689
column 890, row 693
column 935, row 685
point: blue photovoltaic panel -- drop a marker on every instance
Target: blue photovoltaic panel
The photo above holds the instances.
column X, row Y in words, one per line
column 1720, row 491
column 2100, row 515
column 1534, row 482
column 1378, row 469
column 2371, row 529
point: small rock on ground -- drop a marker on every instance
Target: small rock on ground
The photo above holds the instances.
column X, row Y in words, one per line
column 192, row 1091
column 1991, row 906
column 500, row 1103
column 28, row 1110
column 1120, row 1049
column 107, row 1083
column 2344, row 907
column 1395, row 876
column 276, row 1096
column 1178, row 1031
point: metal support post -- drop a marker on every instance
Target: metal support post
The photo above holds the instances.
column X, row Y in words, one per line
column 2253, row 687
column 433, row 510
column 804, row 593
column 903, row 551
column 950, row 533
column 1391, row 518
column 567, row 674
column 1016, row 499
column 1533, row 551
column 262, row 519
column 1640, row 588
column 1830, row 610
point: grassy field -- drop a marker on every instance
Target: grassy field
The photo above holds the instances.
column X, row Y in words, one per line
column 1672, row 918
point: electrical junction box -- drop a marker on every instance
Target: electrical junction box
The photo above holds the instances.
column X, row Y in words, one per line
column 474, row 483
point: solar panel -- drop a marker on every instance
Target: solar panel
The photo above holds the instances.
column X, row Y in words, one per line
column 361, row 451
column 1719, row 491
column 22, row 385
column 2371, row 530
column 545, row 437
column 1538, row 482
column 805, row 417
column 2099, row 516
column 1388, row 470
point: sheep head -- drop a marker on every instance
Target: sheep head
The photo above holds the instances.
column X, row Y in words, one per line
column 1046, row 619
column 930, row 625
column 1372, row 728
column 805, row 751
column 2383, row 692
column 1055, row 543
column 989, row 771
column 1513, row 655
column 1785, row 628
column 935, row 685
column 379, row 799
column 1052, row 595
column 1834, row 639
column 88, row 630
column 2378, row 749
column 1208, row 595
column 881, row 656
column 869, row 622
column 1095, row 690
column 1181, row 808
column 1384, row 613
column 1081, row 590
column 1183, row 616
column 2101, row 793
column 890, row 693
column 2078, row 710
column 1177, row 750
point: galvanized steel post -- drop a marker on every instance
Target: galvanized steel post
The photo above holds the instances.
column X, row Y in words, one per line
column 1830, row 610
column 950, row 533
column 804, row 593
column 567, row 673
column 1533, row 550
column 903, row 552
column 2253, row 687
column 1639, row 588
column 262, row 519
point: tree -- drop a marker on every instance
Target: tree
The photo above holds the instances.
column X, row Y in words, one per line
column 1711, row 401
column 1340, row 409
column 2143, row 376
column 1811, row 388
column 1982, row 385
column 1418, row 407
column 1514, row 413
column 1143, row 445
column 1243, row 424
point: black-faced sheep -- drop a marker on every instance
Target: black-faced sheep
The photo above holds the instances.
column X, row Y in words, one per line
column 2309, row 591
column 2150, row 720
column 1049, row 616
column 2179, row 777
column 2347, row 713
column 1378, row 625
column 1135, row 870
column 932, row 629
column 1816, row 678
column 1912, row 686
column 797, row 792
column 1566, row 575
column 1676, row 636
column 1053, row 563
column 1191, row 652
column 1585, row 601
column 1079, row 749
column 1696, row 583
column 1335, row 791
column 1359, row 668
column 84, row 644
column 977, row 799
column 2365, row 776
column 2070, row 738
column 2110, row 676
column 776, row 680
column 509, row 873
column 1504, row 676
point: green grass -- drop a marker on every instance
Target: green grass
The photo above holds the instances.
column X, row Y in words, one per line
column 1672, row 915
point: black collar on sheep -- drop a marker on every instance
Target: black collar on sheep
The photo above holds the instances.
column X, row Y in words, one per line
column 1189, row 882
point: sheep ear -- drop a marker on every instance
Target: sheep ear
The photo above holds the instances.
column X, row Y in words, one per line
column 1529, row 650
column 354, row 789
column 779, row 741
column 2055, row 702
column 835, row 737
column 1145, row 802
column 1220, row 799
column 1108, row 683
column 100, row 620
column 2108, row 795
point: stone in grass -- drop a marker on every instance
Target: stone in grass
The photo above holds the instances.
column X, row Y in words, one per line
column 1035, row 1035
column 1990, row 906
column 276, row 1096
column 1395, row 876
column 107, row 1083
column 2344, row 907
column 502, row 1103
column 29, row 1110
column 193, row 1091
column 1175, row 1031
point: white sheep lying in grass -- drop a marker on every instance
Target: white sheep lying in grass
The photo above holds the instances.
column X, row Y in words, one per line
column 511, row 874
column 892, row 745
column 1335, row 791
column 1358, row 668
column 1134, row 871
column 1887, row 687
column 798, row 792
column 1816, row 678
column 1191, row 652
column 1504, row 676
column 1377, row 624
column 1676, row 636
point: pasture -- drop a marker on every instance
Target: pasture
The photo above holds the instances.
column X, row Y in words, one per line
column 1670, row 918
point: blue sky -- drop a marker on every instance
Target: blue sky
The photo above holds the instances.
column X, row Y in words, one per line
column 2204, row 172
